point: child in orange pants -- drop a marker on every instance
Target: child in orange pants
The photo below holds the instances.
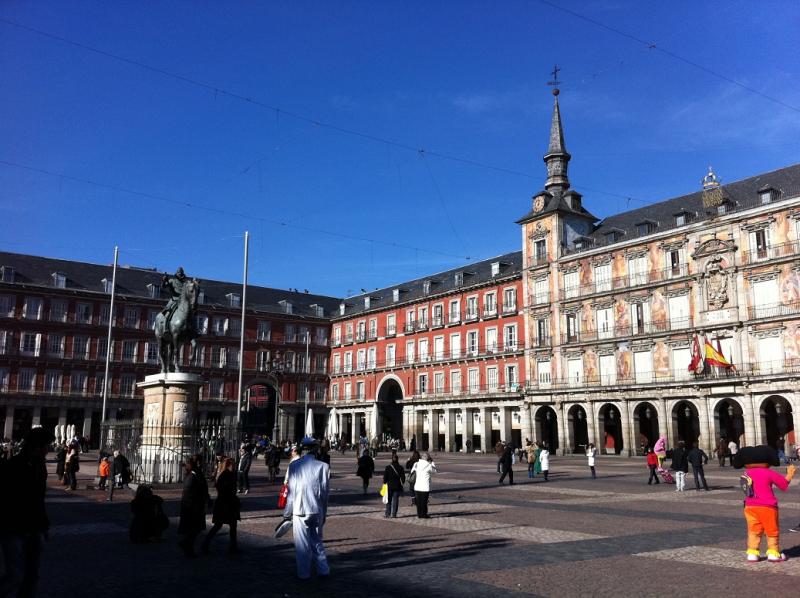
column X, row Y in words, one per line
column 103, row 471
column 760, row 503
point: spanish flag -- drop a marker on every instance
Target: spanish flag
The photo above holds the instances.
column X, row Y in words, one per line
column 715, row 357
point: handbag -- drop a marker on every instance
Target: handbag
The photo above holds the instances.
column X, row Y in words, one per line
column 384, row 490
column 282, row 496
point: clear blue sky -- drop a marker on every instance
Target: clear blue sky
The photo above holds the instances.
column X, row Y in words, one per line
column 461, row 78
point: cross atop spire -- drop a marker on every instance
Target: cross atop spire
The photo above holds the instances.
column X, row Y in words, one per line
column 557, row 158
column 555, row 82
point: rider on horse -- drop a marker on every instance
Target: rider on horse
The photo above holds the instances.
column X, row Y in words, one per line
column 174, row 287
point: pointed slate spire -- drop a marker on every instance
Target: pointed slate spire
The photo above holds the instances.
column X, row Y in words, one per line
column 557, row 158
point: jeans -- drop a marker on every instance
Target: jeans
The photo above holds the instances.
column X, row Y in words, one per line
column 307, row 532
column 422, row 504
column 510, row 472
column 21, row 556
column 699, row 476
column 531, row 469
column 680, row 481
column 594, row 475
column 393, row 503
column 243, row 480
column 653, row 476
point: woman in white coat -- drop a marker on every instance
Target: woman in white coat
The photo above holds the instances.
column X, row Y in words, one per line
column 591, row 452
column 544, row 460
column 422, row 471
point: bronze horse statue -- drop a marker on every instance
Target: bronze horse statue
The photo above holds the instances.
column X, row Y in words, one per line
column 180, row 329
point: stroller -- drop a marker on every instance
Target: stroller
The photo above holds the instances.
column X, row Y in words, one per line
column 665, row 475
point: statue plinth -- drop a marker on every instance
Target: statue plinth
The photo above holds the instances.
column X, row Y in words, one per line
column 170, row 424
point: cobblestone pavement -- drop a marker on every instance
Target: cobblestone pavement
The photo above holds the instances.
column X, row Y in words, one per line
column 570, row 536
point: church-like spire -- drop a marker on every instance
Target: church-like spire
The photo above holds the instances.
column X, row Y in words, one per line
column 557, row 157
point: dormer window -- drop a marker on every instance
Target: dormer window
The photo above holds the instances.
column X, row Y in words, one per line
column 367, row 302
column 645, row 228
column 59, row 280
column 318, row 310
column 395, row 295
column 680, row 219
column 201, row 297
column 458, row 279
column 286, row 306
column 611, row 237
column 573, row 199
column 341, row 309
column 235, row 300
column 7, row 274
column 767, row 194
column 583, row 242
column 426, row 287
column 107, row 285
column 495, row 269
column 153, row 291
column 722, row 208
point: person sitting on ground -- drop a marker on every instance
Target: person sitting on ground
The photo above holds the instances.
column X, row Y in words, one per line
column 149, row 519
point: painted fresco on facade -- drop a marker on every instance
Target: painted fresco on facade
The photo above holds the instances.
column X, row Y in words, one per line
column 658, row 309
column 624, row 364
column 661, row 360
column 590, row 365
column 622, row 317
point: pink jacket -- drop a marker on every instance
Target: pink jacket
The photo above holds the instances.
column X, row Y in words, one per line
column 763, row 480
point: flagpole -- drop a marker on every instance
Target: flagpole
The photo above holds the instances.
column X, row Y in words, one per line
column 308, row 373
column 108, row 344
column 242, row 329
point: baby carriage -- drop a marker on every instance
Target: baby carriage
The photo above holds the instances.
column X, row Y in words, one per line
column 665, row 475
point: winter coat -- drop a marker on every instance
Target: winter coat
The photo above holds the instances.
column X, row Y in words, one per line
column 23, row 479
column 680, row 461
column 366, row 467
column 121, row 467
column 697, row 457
column 104, row 469
column 245, row 461
column 394, row 477
column 544, row 460
column 652, row 460
column 226, row 506
column 506, row 459
column 590, row 455
column 194, row 499
column 423, row 470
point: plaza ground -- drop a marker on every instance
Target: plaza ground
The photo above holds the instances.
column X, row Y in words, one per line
column 571, row 536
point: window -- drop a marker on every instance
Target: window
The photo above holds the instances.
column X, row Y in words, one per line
column 32, row 310
column 492, row 382
column 77, row 382
column 455, row 346
column 391, row 325
column 318, row 310
column 55, row 345
column 26, row 380
column 107, row 285
column 410, row 352
column 438, row 317
column 30, row 343
column 643, row 366
column 543, row 373
column 5, row 342
column 320, row 392
column 129, row 351
column 131, row 319
column 438, row 382
column 455, row 381
column 235, row 327
column 153, row 291
column 4, row 379
column 458, row 279
column 366, row 302
column 455, row 311
column 680, row 219
column 438, row 348
column 102, row 348
column 722, row 208
column 348, row 393
column 472, row 343
column 610, row 237
column 765, row 196
column 422, row 384
column 679, row 312
column 472, row 308
column 201, row 323
column 540, row 251
column 390, row 356
column 216, row 389
column 372, row 359
column 321, row 337
column 341, row 309
column 605, row 323
column 285, row 305
column 473, row 380
column 218, row 357
column 373, row 329
column 58, row 310
column 361, row 360
column 637, row 270
column 675, row 265
column 495, row 269
column 512, row 379
column 152, row 314
column 6, row 306
column 6, row 274
column 759, row 244
column 52, row 381
column 423, row 317
column 337, row 335
column 575, row 371
column 541, row 291
column 571, row 285
column 348, row 362
column 602, row 278
column 640, row 317
column 490, row 304
column 509, row 300
column 542, row 332
column 349, row 333
column 426, row 287
column 80, row 347
column 127, row 384
column 219, row 326
column 770, row 354
column 152, row 352
column 491, row 340
column 235, row 300
column 410, row 317
column 337, row 363
column 423, row 350
column 232, row 358
column 83, row 313
column 765, row 298
column 572, row 327
column 608, row 370
column 645, row 228
column 395, row 295
column 335, row 392
column 681, row 358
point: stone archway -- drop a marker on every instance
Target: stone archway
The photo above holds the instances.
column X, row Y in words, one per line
column 578, row 429
column 547, row 426
column 685, row 423
column 777, row 422
column 610, row 424
column 259, row 408
column 389, row 402
column 645, row 419
column 728, row 422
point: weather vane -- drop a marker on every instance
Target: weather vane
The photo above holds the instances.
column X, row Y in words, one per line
column 555, row 82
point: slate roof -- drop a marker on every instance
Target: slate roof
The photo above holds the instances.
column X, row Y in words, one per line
column 741, row 194
column 441, row 283
column 558, row 203
column 133, row 281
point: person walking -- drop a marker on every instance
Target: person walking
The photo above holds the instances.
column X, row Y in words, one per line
column 660, row 449
column 194, row 499
column 652, row 464
column 120, row 474
column 73, row 466
column 591, row 453
column 721, row 452
column 306, row 506
column 103, row 472
column 226, row 507
column 697, row 457
column 422, row 471
column 506, row 463
column 680, row 464
column 733, row 448
column 530, row 451
column 544, row 460
column 499, row 449
column 366, row 467
column 409, row 466
column 273, row 462
column 23, row 517
column 243, row 470
column 537, row 454
column 394, row 477
column 61, row 459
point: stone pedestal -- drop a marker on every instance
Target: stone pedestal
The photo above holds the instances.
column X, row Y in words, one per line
column 169, row 426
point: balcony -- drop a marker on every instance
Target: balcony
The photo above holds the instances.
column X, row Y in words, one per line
column 629, row 281
column 658, row 327
column 490, row 312
column 538, row 299
column 471, row 316
column 437, row 322
column 361, row 336
column 390, row 330
column 774, row 310
column 771, row 252
column 348, row 339
column 539, row 259
column 471, row 390
column 372, row 335
column 408, row 328
column 336, row 342
column 421, row 325
column 453, row 318
column 509, row 309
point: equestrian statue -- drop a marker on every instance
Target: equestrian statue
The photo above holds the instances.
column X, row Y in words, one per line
column 175, row 324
